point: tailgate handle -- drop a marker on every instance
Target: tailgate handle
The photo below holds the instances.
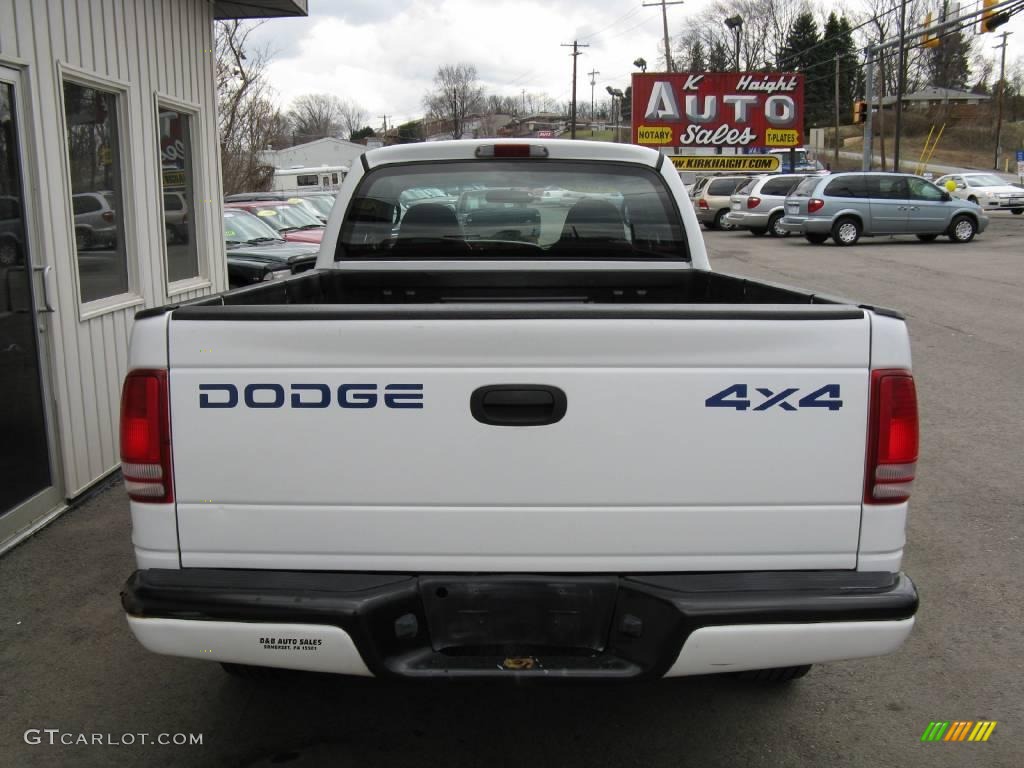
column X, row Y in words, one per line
column 518, row 405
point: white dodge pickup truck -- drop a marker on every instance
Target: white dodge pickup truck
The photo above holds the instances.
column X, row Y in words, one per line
column 493, row 438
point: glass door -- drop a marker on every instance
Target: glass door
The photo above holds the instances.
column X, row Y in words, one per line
column 28, row 483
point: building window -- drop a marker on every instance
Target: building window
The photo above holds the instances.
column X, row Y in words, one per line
column 96, row 190
column 309, row 180
column 175, row 135
column 334, row 178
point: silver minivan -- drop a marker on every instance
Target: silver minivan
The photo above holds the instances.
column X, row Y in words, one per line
column 848, row 206
column 759, row 205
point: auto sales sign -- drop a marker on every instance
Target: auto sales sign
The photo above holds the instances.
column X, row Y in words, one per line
column 723, row 109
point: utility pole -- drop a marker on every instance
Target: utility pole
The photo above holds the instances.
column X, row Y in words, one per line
column 593, row 82
column 999, row 106
column 901, row 62
column 385, row 119
column 869, row 96
column 836, row 155
column 664, row 22
column 882, row 87
column 524, row 102
column 575, row 45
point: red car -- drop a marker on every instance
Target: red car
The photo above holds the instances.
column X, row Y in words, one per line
column 292, row 222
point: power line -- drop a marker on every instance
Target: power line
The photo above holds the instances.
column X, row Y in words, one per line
column 617, row 21
column 627, row 31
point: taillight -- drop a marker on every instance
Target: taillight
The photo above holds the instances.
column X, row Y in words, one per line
column 892, row 438
column 753, row 202
column 107, row 216
column 702, row 203
column 146, row 437
column 814, row 205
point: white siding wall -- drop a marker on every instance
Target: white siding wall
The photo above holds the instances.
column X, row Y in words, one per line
column 315, row 153
column 152, row 46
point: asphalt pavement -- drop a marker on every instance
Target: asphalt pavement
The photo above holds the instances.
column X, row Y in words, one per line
column 68, row 661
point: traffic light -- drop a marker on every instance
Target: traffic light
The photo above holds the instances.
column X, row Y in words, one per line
column 860, row 112
column 990, row 19
column 928, row 38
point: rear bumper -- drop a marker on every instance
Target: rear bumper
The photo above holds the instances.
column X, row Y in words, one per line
column 591, row 626
column 805, row 225
column 746, row 220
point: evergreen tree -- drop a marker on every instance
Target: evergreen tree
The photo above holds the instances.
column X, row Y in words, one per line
column 803, row 54
column 837, row 40
column 719, row 59
column 695, row 57
column 948, row 65
column 851, row 77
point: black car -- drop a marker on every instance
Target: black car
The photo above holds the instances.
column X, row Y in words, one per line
column 256, row 252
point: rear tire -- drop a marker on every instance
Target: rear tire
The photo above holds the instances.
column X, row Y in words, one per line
column 1017, row 211
column 778, row 675
column 926, row 238
column 773, row 226
column 815, row 238
column 253, row 674
column 962, row 229
column 846, row 231
column 721, row 223
column 83, row 239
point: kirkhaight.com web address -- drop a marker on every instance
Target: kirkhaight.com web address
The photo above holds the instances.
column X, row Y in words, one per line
column 55, row 737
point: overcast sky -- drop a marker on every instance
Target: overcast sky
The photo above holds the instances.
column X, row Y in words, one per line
column 383, row 53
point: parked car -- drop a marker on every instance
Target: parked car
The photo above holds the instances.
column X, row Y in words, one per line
column 321, row 201
column 987, row 190
column 94, row 220
column 256, row 252
column 848, row 206
column 759, row 205
column 499, row 214
column 292, row 222
column 713, row 201
column 175, row 217
column 614, row 422
column 699, row 182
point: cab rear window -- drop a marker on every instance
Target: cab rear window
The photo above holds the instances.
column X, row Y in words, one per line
column 521, row 209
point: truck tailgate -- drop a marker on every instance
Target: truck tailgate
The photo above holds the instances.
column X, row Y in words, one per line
column 689, row 443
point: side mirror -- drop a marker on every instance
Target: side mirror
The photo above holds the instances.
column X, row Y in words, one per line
column 946, row 197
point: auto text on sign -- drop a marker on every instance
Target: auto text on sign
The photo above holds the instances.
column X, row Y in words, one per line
column 725, row 109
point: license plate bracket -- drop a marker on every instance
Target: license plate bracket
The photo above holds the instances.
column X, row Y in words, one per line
column 518, row 612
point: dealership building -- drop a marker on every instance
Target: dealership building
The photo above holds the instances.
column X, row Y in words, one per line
column 110, row 202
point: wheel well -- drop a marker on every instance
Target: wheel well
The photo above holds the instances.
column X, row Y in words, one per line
column 967, row 215
column 850, row 215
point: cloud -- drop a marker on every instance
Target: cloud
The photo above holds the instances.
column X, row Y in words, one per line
column 384, row 54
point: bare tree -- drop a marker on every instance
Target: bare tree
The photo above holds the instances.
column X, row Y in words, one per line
column 315, row 116
column 248, row 119
column 353, row 117
column 457, row 93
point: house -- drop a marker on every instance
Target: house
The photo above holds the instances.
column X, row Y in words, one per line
column 322, row 152
column 110, row 202
column 936, row 97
